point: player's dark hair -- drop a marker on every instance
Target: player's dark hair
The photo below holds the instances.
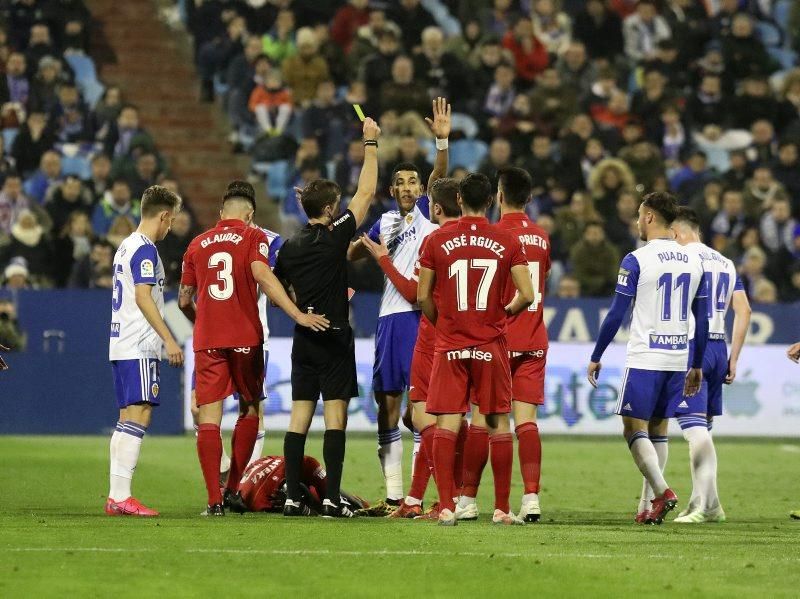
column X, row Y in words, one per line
column 404, row 166
column 240, row 190
column 663, row 204
column 157, row 199
column 476, row 191
column 318, row 194
column 444, row 193
column 516, row 185
column 688, row 217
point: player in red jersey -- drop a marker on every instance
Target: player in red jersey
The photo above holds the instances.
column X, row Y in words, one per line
column 223, row 267
column 527, row 346
column 444, row 211
column 467, row 265
column 263, row 486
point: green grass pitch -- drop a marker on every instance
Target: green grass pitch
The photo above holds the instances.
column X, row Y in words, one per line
column 55, row 539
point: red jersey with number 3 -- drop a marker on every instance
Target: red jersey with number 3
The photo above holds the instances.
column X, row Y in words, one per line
column 218, row 264
column 472, row 260
column 527, row 331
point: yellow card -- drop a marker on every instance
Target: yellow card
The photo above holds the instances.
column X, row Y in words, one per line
column 359, row 112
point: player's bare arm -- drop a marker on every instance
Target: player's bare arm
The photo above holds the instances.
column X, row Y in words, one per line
column 368, row 179
column 274, row 290
column 440, row 127
column 145, row 303
column 593, row 373
column 427, row 279
column 794, row 352
column 741, row 323
column 524, row 296
column 186, row 301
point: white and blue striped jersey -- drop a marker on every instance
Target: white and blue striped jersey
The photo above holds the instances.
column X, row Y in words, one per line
column 722, row 280
column 275, row 242
column 664, row 279
column 403, row 236
column 136, row 263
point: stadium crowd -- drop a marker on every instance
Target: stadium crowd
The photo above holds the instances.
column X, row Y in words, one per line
column 600, row 101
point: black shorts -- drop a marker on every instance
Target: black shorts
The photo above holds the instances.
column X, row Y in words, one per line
column 324, row 363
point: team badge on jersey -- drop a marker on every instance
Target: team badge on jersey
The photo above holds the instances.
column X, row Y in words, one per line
column 154, row 389
column 263, row 249
column 409, row 217
column 147, row 269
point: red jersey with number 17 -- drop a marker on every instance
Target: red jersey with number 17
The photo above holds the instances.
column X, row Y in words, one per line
column 527, row 331
column 218, row 263
column 472, row 260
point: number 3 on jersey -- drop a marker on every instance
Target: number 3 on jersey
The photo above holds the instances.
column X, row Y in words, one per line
column 224, row 275
column 460, row 270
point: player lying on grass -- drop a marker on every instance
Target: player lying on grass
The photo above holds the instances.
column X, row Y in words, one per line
column 263, row 487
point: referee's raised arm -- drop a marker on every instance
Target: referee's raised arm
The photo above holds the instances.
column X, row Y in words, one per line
column 368, row 180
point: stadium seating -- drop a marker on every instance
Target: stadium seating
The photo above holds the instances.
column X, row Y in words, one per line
column 467, row 153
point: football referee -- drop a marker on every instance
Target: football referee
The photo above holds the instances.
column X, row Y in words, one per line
column 314, row 264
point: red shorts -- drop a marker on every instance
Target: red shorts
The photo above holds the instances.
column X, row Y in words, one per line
column 480, row 372
column 527, row 376
column 421, row 368
column 220, row 372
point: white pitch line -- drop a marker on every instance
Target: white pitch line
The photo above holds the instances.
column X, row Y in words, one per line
column 791, row 448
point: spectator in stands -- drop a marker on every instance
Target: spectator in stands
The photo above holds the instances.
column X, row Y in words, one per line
column 28, row 240
column 648, row 102
column 15, row 275
column 600, row 29
column 530, row 55
column 568, row 287
column 366, row 41
column 125, row 135
column 11, row 335
column 15, row 87
column 553, row 102
column 326, row 120
column 376, row 68
column 500, row 96
column 643, row 30
column 744, row 54
column 65, row 198
column 173, row 247
column 100, row 179
column 754, row 262
column 571, row 220
column 348, row 168
column 722, row 22
column 410, row 151
column 607, row 181
column 120, row 229
column 271, row 104
column 778, row 226
column 413, row 19
column 690, row 179
column 71, row 122
column 12, row 202
column 72, row 245
column 7, row 162
column 731, row 220
column 94, row 270
column 539, row 163
column 614, row 115
column 498, row 19
column 346, row 22
column 595, row 261
column 404, row 93
column 35, row 137
column 105, row 113
column 645, row 162
column 575, row 69
column 216, row 55
column 552, row 27
column 39, row 46
column 787, row 170
column 116, row 202
column 44, row 86
column 304, row 71
column 755, row 102
column 279, row 42
column 761, row 191
column 145, row 174
column 75, row 37
column 763, row 148
column 332, row 54
column 499, row 157
column 621, row 228
column 48, row 175
column 466, row 46
column 241, row 69
column 708, row 106
column 765, row 292
column 440, row 70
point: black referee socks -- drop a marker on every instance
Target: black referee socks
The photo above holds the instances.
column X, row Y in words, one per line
column 333, row 453
column 294, row 447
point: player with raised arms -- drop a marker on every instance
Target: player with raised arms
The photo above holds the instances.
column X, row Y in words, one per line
column 222, row 268
column 725, row 290
column 466, row 266
column 527, row 345
column 138, row 335
column 403, row 231
column 662, row 280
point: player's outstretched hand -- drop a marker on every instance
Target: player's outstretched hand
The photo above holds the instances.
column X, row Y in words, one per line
column 693, row 380
column 593, row 373
column 730, row 376
column 174, row 353
column 315, row 322
column 794, row 353
column 440, row 124
column 3, row 365
column 371, row 130
column 378, row 250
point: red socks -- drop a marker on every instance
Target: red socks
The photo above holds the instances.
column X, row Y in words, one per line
column 243, row 441
column 209, row 450
column 530, row 455
column 423, row 465
column 444, row 455
column 476, row 453
column 458, row 467
column 502, row 446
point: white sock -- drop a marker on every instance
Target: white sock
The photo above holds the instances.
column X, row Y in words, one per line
column 390, row 453
column 530, row 497
column 465, row 501
column 258, row 448
column 128, row 446
column 112, row 447
column 661, row 445
column 704, row 467
column 646, row 458
column 412, row 500
column 417, row 443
